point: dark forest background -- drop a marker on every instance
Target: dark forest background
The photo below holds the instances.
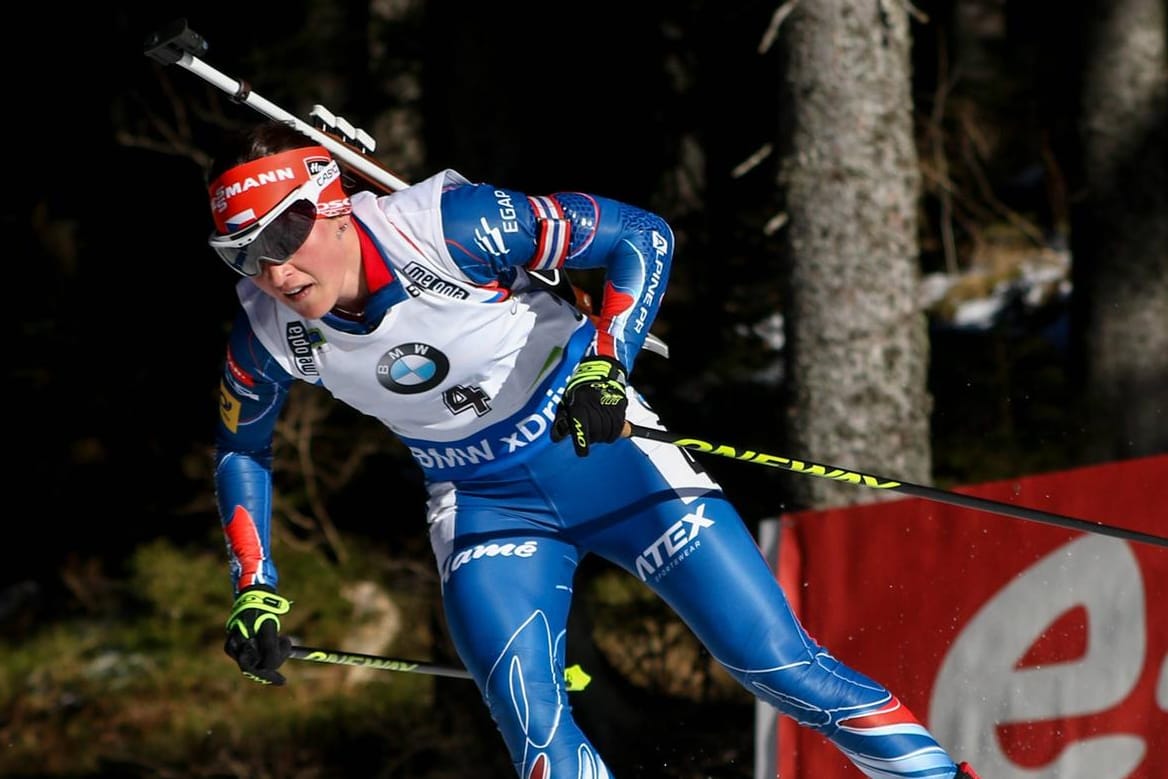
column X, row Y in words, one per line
column 120, row 315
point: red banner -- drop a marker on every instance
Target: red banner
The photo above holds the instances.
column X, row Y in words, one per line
column 1032, row 651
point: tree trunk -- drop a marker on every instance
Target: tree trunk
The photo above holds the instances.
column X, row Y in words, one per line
column 857, row 340
column 1121, row 237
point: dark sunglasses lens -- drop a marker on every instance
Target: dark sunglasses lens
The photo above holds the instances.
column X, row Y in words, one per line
column 285, row 235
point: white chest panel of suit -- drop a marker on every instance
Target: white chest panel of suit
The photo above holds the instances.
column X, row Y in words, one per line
column 465, row 375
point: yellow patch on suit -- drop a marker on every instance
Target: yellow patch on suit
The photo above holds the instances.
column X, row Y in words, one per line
column 228, row 408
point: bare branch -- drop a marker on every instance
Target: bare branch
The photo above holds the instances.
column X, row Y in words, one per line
column 772, row 30
column 753, row 161
column 775, row 223
column 915, row 12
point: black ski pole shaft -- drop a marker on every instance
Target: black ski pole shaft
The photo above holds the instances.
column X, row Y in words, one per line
column 378, row 662
column 575, row 677
column 835, row 473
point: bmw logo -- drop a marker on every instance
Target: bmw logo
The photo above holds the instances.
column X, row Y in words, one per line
column 408, row 369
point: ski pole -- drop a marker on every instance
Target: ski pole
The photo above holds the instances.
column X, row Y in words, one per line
column 337, row 657
column 574, row 675
column 835, row 473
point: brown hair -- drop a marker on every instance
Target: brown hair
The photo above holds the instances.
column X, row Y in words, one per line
column 264, row 139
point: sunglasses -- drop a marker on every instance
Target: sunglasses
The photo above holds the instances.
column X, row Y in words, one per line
column 276, row 236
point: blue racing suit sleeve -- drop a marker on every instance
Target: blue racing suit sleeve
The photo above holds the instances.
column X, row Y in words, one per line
column 489, row 230
column 251, row 393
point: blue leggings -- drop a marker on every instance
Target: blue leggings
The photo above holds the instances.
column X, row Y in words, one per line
column 508, row 549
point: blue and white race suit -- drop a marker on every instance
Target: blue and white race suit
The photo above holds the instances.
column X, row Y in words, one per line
column 465, row 360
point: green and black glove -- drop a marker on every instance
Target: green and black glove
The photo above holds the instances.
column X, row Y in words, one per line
column 253, row 634
column 594, row 404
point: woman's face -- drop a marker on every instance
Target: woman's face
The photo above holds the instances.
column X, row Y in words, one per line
column 318, row 274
